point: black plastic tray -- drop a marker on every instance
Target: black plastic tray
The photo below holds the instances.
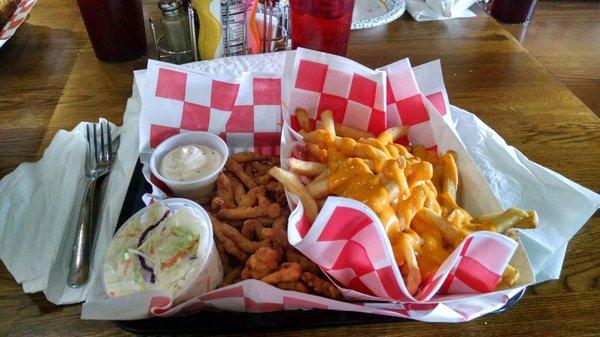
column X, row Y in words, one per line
column 212, row 322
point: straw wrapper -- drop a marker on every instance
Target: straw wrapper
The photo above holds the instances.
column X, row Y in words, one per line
column 460, row 289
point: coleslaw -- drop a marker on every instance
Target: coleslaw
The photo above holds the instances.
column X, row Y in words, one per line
column 158, row 250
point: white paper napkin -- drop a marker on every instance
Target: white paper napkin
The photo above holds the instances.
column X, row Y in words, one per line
column 429, row 10
column 562, row 205
column 39, row 208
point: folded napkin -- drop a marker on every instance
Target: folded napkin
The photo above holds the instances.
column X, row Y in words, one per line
column 39, row 209
column 428, row 10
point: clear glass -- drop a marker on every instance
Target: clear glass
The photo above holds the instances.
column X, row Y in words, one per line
column 115, row 27
column 322, row 25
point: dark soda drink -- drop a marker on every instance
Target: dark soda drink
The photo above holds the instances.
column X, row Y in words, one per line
column 115, row 27
column 322, row 25
column 513, row 11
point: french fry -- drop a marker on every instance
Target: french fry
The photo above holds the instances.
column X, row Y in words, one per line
column 529, row 222
column 303, row 119
column 346, row 131
column 450, row 234
column 318, row 189
column 327, row 124
column 450, row 176
column 508, row 218
column 294, row 185
column 413, row 279
column 510, row 276
column 392, row 134
column 317, row 152
column 306, row 168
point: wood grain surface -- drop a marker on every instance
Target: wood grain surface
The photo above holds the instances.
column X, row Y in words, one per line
column 564, row 36
column 50, row 80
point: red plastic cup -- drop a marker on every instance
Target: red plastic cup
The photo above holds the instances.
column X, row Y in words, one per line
column 513, row 11
column 115, row 27
column 322, row 25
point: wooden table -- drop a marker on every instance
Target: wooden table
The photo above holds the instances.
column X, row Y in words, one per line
column 50, row 80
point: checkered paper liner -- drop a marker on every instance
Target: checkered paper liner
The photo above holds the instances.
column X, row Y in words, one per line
column 347, row 239
column 18, row 17
column 370, row 276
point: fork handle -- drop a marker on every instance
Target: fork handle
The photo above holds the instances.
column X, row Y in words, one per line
column 79, row 266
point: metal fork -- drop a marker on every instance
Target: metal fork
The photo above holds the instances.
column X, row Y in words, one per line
column 99, row 158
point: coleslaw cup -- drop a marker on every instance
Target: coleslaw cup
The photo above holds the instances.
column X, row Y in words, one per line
column 207, row 272
column 191, row 188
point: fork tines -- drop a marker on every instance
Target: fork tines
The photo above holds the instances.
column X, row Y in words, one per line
column 103, row 153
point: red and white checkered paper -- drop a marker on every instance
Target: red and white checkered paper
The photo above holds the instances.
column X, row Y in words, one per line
column 347, row 240
column 18, row 17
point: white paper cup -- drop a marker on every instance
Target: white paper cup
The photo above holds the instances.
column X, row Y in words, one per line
column 208, row 272
column 192, row 188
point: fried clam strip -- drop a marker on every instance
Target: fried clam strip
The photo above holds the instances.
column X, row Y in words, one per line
column 321, row 286
column 238, row 189
column 243, row 213
column 249, row 199
column 225, row 197
column 235, row 168
column 252, row 229
column 260, row 264
column 232, row 276
column 291, row 255
column 298, row 286
column 224, row 230
column 287, row 272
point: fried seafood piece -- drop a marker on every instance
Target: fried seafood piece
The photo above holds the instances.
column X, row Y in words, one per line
column 242, row 213
column 237, row 169
column 262, row 263
column 232, row 276
column 226, row 232
column 288, row 272
column 320, row 286
column 298, row 286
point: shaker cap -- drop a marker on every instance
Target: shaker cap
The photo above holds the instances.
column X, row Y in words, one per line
column 169, row 6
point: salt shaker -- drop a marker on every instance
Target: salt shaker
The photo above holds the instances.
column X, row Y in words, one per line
column 176, row 29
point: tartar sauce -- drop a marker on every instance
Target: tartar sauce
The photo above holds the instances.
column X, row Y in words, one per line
column 190, row 162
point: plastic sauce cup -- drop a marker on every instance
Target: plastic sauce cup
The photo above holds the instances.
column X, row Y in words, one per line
column 190, row 188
